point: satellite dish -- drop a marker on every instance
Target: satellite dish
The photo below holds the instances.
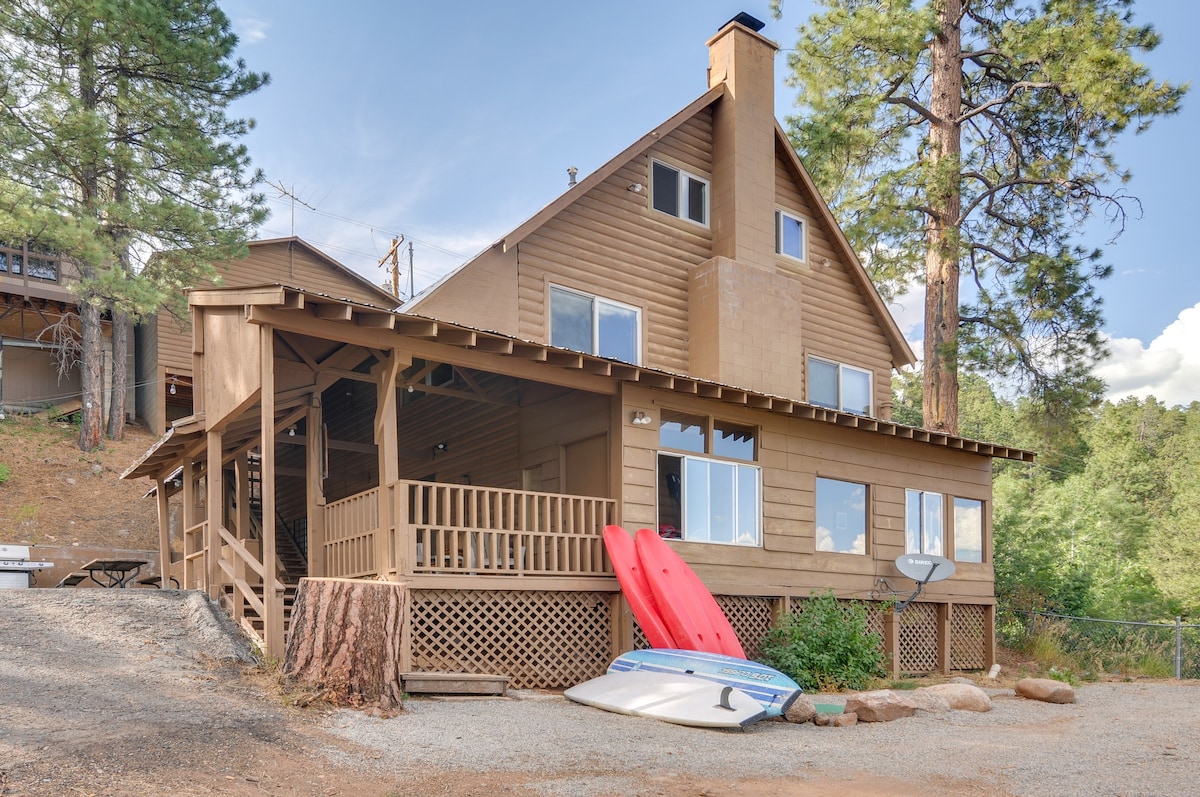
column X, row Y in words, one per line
column 922, row 568
column 925, row 567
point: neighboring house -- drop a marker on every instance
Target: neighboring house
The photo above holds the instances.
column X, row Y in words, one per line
column 682, row 341
column 163, row 344
column 37, row 308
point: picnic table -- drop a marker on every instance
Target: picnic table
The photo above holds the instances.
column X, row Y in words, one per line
column 114, row 572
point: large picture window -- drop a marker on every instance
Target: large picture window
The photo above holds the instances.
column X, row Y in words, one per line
column 841, row 516
column 682, row 195
column 968, row 530
column 705, row 495
column 838, row 386
column 591, row 324
column 923, row 513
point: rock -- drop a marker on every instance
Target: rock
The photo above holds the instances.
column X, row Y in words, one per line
column 881, row 705
column 928, row 701
column 964, row 697
column 69, row 480
column 1046, row 690
column 960, row 679
column 801, row 710
column 842, row 720
column 97, row 470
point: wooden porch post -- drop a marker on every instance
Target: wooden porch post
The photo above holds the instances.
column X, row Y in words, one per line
column 989, row 635
column 191, row 579
column 943, row 637
column 242, row 465
column 273, row 601
column 214, row 505
column 891, row 643
column 164, row 535
column 386, row 442
column 314, row 491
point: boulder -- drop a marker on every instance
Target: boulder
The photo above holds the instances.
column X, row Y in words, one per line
column 842, row 720
column 1046, row 690
column 964, row 697
column 928, row 701
column 802, row 709
column 881, row 705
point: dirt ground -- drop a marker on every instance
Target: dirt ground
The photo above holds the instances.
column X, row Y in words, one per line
column 55, row 494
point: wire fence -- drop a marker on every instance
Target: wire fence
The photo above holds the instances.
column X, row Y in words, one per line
column 1097, row 646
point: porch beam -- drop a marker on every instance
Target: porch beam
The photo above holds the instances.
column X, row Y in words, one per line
column 214, row 504
column 273, row 631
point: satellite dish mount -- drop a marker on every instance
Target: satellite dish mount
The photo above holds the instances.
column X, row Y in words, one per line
column 922, row 568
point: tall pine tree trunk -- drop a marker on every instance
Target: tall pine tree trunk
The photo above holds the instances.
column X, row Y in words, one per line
column 940, row 398
column 91, row 374
column 120, row 356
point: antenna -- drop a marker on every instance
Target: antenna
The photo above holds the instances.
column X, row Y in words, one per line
column 922, row 568
column 290, row 194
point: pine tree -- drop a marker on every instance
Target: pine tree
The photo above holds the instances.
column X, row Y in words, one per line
column 116, row 145
column 968, row 140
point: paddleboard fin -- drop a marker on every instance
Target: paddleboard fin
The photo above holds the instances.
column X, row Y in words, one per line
column 725, row 692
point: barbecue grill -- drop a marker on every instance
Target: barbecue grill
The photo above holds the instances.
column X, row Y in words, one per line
column 16, row 570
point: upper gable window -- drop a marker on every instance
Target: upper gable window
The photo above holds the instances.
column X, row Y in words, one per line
column 838, row 386
column 678, row 193
column 789, row 235
column 591, row 324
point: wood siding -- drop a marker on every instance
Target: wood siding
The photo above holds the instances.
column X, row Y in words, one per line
column 611, row 243
column 836, row 320
column 793, row 453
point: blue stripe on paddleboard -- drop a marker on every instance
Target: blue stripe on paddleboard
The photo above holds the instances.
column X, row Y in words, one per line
column 774, row 690
column 762, row 695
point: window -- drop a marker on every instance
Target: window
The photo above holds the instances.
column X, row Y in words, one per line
column 682, row 195
column 968, row 530
column 923, row 522
column 593, row 325
column 841, row 516
column 703, row 498
column 841, row 387
column 789, row 235
column 33, row 260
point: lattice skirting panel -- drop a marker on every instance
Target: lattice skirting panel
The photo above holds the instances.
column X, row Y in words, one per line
column 751, row 619
column 918, row 638
column 540, row 640
column 968, row 623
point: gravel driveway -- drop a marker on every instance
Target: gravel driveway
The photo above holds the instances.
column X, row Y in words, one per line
column 129, row 692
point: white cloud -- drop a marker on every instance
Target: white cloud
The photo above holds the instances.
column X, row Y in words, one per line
column 1168, row 368
column 250, row 30
column 908, row 309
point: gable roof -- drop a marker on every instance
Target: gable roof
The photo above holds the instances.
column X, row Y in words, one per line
column 387, row 300
column 902, row 353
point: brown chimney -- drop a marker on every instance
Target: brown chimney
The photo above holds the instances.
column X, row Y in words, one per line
column 743, row 170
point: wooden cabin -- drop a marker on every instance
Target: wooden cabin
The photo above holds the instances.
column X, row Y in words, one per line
column 163, row 344
column 683, row 341
column 38, row 313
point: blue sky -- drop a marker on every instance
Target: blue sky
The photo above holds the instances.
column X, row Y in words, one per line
column 452, row 124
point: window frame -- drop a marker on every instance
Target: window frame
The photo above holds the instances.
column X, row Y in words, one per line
column 840, row 404
column 925, row 542
column 741, row 468
column 780, row 214
column 954, row 527
column 682, row 195
column 596, row 301
column 866, row 515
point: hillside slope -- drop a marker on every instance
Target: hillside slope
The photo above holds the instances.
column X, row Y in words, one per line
column 55, row 494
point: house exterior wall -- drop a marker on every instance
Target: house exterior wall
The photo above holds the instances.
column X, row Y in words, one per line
column 793, row 453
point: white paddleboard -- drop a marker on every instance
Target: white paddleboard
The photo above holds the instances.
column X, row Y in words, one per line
column 670, row 697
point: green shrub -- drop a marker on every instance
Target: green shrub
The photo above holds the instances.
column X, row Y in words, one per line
column 825, row 646
column 5, row 472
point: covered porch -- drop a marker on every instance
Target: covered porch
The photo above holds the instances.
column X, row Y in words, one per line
column 382, row 446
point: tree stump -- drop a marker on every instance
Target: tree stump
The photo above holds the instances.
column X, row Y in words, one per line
column 344, row 640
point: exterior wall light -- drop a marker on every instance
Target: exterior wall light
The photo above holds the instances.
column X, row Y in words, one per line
column 641, row 419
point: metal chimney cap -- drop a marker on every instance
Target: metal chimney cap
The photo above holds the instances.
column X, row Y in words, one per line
column 745, row 19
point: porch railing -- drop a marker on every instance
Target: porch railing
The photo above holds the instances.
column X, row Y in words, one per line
column 465, row 529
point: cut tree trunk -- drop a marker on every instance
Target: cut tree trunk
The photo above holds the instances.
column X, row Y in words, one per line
column 345, row 641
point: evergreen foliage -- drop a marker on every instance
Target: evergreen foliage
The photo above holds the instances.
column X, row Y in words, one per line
column 966, row 141
column 114, row 145
column 825, row 646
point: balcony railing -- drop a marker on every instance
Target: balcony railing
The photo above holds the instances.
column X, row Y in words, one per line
column 464, row 529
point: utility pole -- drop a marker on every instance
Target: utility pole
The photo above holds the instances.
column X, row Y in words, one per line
column 394, row 255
